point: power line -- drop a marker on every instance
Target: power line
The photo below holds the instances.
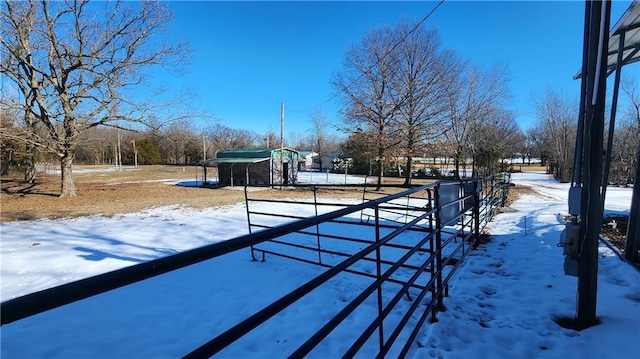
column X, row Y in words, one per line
column 418, row 24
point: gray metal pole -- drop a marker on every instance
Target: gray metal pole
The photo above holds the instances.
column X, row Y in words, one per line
column 633, row 226
column 591, row 209
column 612, row 119
column 576, row 176
column 282, row 174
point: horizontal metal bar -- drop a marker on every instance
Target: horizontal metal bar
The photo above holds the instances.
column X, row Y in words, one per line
column 342, row 254
column 305, row 348
column 405, row 318
column 50, row 298
column 277, row 215
column 362, row 339
column 351, row 271
column 221, row 341
column 357, row 240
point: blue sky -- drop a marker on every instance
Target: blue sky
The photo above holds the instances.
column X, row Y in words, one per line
column 248, row 57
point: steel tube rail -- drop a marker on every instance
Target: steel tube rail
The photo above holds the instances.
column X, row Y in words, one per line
column 466, row 224
column 43, row 300
column 351, row 271
column 342, row 254
column 223, row 340
column 362, row 339
column 335, row 321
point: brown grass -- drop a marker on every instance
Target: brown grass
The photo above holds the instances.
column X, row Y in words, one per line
column 516, row 191
column 109, row 193
column 105, row 193
column 133, row 190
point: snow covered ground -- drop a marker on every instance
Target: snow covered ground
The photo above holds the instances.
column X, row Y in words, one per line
column 328, row 178
column 502, row 301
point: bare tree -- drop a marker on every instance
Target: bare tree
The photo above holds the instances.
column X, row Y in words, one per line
column 631, row 88
column 319, row 134
column 471, row 96
column 557, row 122
column 492, row 139
column 82, row 64
column 422, row 74
column 223, row 138
column 627, row 136
column 366, row 85
column 9, row 145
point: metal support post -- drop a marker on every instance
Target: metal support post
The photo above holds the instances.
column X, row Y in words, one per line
column 612, row 119
column 315, row 205
column 476, row 214
column 633, row 226
column 378, row 278
column 438, row 229
column 591, row 209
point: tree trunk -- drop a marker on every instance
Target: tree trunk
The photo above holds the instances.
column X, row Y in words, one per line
column 474, row 169
column 379, row 185
column 30, row 167
column 68, row 185
column 456, row 162
column 407, row 175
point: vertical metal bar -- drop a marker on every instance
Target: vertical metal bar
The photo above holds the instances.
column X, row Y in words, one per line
column 231, row 169
column 246, row 204
column 476, row 214
column 379, row 275
column 591, row 210
column 406, row 216
column 438, row 246
column 633, row 224
column 315, row 203
column 364, row 194
column 612, row 118
column 432, row 269
column 576, row 176
column 494, row 198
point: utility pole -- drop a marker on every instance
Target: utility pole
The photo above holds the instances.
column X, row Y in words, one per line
column 204, row 148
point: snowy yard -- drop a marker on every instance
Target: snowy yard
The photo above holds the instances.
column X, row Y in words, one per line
column 502, row 302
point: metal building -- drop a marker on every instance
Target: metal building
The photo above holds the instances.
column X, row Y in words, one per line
column 255, row 166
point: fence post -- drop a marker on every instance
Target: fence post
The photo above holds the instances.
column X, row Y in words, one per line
column 246, row 203
column 438, row 246
column 503, row 188
column 476, row 213
column 378, row 276
column 315, row 204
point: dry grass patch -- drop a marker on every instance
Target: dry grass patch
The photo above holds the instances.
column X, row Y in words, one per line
column 107, row 193
column 516, row 191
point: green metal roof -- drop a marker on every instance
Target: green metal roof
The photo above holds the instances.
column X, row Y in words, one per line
column 234, row 160
column 246, row 153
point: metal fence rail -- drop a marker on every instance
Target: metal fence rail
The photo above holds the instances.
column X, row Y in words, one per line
column 409, row 245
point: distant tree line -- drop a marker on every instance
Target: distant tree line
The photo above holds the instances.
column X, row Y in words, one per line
column 553, row 138
column 78, row 94
column 179, row 143
column 404, row 96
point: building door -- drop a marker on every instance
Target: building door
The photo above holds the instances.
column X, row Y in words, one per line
column 285, row 173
